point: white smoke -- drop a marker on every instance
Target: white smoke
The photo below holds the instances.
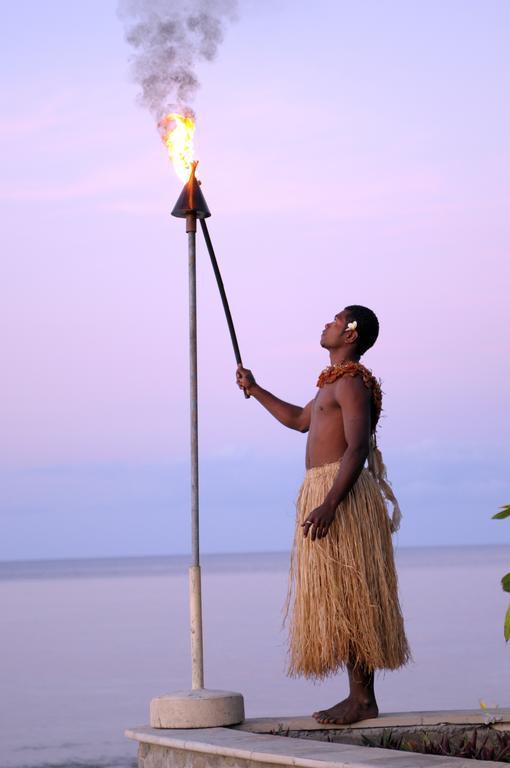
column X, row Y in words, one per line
column 168, row 38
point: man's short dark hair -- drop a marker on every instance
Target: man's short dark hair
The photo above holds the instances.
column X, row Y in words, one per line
column 368, row 326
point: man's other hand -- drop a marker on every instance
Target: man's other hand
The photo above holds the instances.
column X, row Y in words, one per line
column 245, row 379
column 318, row 522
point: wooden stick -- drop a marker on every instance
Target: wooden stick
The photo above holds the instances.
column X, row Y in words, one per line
column 223, row 295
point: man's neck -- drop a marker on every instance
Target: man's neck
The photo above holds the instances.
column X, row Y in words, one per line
column 339, row 356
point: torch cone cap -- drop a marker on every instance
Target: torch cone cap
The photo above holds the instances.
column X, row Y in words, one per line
column 191, row 200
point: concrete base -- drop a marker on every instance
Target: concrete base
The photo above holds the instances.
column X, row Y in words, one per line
column 199, row 708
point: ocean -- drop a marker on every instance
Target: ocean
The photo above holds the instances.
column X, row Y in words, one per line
column 85, row 645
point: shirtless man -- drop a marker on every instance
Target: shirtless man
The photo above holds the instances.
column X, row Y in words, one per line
column 340, row 421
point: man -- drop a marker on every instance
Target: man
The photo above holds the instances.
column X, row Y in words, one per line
column 343, row 596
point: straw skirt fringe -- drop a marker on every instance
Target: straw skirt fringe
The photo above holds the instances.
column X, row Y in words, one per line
column 342, row 602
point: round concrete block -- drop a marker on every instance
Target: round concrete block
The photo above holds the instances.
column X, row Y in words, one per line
column 200, row 708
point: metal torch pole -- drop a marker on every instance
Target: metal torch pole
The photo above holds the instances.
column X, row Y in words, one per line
column 198, row 708
column 195, row 585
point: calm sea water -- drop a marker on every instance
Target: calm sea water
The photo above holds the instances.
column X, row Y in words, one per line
column 86, row 644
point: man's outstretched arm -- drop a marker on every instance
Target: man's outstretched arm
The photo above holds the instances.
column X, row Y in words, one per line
column 292, row 416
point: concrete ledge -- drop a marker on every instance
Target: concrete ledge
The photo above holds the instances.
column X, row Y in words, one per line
column 242, row 747
column 498, row 717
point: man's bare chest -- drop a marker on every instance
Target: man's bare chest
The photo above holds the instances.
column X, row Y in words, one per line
column 325, row 406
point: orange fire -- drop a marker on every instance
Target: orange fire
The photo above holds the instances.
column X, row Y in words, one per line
column 177, row 133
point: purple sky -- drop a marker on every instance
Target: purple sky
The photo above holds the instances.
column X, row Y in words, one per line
column 350, row 153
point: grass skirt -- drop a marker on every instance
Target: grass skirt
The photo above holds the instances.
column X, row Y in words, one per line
column 343, row 595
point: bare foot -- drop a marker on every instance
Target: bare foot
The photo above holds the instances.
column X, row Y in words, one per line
column 347, row 711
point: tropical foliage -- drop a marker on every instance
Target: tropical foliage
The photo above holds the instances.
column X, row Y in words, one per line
column 505, row 581
column 479, row 744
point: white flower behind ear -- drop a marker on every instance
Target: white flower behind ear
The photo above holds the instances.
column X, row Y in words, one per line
column 352, row 326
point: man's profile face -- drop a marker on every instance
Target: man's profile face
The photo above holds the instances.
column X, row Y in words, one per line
column 332, row 335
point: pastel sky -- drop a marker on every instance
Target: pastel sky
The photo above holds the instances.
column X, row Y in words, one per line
column 350, row 153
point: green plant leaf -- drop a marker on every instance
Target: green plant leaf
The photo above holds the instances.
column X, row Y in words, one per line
column 507, row 624
column 505, row 582
column 505, row 512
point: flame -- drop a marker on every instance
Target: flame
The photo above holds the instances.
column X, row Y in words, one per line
column 177, row 133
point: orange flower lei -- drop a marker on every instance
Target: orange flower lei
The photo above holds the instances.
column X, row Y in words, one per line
column 350, row 368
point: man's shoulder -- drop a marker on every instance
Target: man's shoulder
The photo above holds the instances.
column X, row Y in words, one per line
column 352, row 385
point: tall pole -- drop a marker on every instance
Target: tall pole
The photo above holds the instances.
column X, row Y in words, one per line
column 195, row 581
column 198, row 708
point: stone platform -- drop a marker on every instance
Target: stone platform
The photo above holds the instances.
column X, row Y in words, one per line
column 254, row 743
